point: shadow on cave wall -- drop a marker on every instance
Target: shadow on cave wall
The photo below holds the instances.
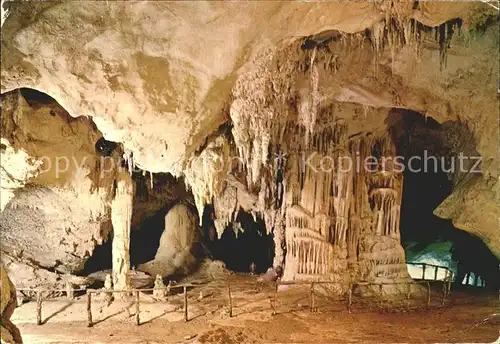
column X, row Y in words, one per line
column 423, row 234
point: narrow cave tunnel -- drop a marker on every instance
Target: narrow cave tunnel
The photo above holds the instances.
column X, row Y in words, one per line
column 245, row 246
column 426, row 237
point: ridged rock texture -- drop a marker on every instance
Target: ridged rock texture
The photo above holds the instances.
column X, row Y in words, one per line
column 53, row 219
column 189, row 87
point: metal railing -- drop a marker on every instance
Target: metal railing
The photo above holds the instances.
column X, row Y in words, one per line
column 448, row 272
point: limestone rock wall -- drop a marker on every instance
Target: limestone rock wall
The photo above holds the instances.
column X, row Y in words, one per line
column 130, row 102
column 57, row 190
column 60, row 210
column 462, row 208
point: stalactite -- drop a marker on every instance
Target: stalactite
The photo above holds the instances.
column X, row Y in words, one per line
column 207, row 172
column 129, row 160
column 378, row 34
column 225, row 208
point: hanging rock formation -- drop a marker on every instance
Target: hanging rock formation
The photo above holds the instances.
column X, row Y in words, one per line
column 57, row 190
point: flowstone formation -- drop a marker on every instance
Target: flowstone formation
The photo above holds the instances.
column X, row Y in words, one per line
column 65, row 191
column 339, row 215
column 334, row 216
column 342, row 223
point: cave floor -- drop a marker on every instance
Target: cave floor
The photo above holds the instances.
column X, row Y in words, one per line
column 469, row 316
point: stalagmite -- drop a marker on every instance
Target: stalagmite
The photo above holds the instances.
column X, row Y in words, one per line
column 175, row 252
column 121, row 215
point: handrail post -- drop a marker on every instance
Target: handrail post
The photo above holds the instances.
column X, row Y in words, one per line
column 423, row 271
column 39, row 307
column 230, row 300
column 275, row 303
column 436, row 273
column 428, row 295
column 349, row 298
column 185, row 304
column 448, row 292
column 137, row 319
column 444, row 293
column 89, row 309
column 408, row 295
column 312, row 297
column 381, row 303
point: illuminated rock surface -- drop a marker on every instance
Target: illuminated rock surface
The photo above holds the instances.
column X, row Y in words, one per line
column 189, row 88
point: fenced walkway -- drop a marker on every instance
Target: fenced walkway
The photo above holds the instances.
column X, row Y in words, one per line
column 308, row 295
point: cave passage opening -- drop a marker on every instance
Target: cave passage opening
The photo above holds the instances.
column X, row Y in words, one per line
column 426, row 237
column 145, row 234
column 144, row 243
column 244, row 246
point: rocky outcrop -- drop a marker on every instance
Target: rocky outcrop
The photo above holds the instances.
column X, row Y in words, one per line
column 57, row 190
column 9, row 332
column 59, row 211
column 26, row 274
column 474, row 207
column 175, row 255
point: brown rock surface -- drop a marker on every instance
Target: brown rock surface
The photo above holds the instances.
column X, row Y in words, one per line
column 9, row 332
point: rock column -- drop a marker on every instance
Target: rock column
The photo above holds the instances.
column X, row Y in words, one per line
column 121, row 215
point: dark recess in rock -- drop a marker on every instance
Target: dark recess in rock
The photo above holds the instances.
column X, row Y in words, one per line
column 105, row 147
